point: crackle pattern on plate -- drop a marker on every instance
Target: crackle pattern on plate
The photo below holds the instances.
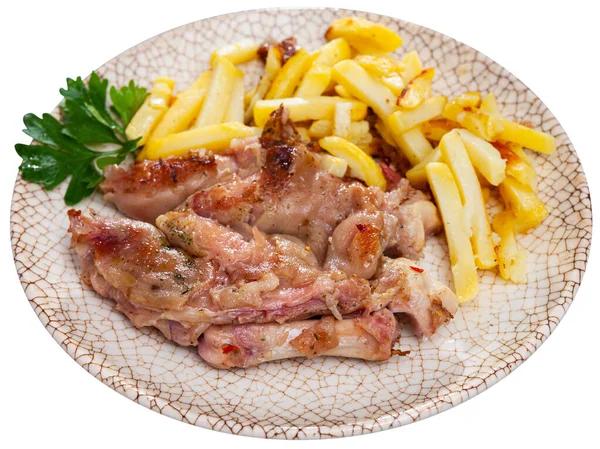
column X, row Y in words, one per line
column 323, row 397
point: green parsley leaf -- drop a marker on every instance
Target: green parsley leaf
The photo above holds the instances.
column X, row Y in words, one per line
column 127, row 100
column 61, row 150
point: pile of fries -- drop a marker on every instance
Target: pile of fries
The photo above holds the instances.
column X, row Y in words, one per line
column 461, row 147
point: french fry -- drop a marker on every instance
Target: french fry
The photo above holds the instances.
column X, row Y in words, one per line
column 248, row 95
column 413, row 144
column 412, row 67
column 320, row 128
column 153, row 109
column 360, row 135
column 303, row 133
column 236, row 53
column 524, row 204
column 333, row 52
column 490, row 106
column 518, row 164
column 341, row 91
column 235, row 108
column 337, row 166
column 315, row 82
column 485, row 157
column 315, row 108
column 512, row 260
column 468, row 101
column 401, row 121
column 361, row 85
column 272, row 68
column 184, row 109
column 289, row 76
column 384, row 132
column 417, row 176
column 342, row 119
column 437, row 128
column 215, row 138
column 456, row 157
column 449, row 203
column 363, row 35
column 364, row 166
column 527, row 137
column 417, row 91
column 394, row 83
column 379, row 66
column 481, row 124
column 218, row 94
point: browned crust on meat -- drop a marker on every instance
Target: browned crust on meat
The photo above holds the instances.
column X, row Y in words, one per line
column 154, row 174
column 439, row 314
column 317, row 339
column 367, row 241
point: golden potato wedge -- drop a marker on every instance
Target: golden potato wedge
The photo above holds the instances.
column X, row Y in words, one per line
column 469, row 101
column 456, row 157
column 527, row 137
column 153, row 109
column 363, row 35
column 315, row 108
column 394, row 83
column 523, row 203
column 363, row 165
column 218, row 94
column 289, row 76
column 412, row 67
column 361, row 85
column 518, row 164
column 417, row 176
column 237, row 53
column 417, row 91
column 333, row 52
column 462, row 261
column 215, row 138
column 437, row 128
column 315, row 82
column 401, row 121
column 379, row 66
column 485, row 157
column 481, row 124
column 512, row 260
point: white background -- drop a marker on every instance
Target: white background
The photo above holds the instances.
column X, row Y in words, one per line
column 48, row 400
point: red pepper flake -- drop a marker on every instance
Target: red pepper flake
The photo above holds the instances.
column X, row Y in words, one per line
column 417, row 269
column 229, row 348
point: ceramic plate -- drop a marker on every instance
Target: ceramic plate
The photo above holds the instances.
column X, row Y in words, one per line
column 323, row 397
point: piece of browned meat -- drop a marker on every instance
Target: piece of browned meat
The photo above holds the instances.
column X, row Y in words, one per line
column 150, row 188
column 133, row 263
column 368, row 337
column 408, row 289
column 293, row 195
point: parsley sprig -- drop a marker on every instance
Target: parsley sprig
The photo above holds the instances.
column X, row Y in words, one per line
column 69, row 147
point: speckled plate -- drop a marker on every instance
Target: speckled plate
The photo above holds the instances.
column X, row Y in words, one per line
column 323, row 397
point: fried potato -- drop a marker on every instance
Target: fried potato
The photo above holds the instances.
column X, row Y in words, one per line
column 211, row 137
column 394, row 83
column 289, row 76
column 469, row 101
column 153, row 109
column 218, row 94
column 337, row 166
column 417, row 91
column 315, row 82
column 402, row 121
column 236, row 53
column 456, row 157
column 303, row 133
column 248, row 95
column 481, row 124
column 320, row 128
column 437, row 128
column 384, row 132
column 490, row 106
column 315, row 108
column 361, row 85
column 517, row 162
column 379, row 66
column 360, row 135
column 462, row 261
column 342, row 119
column 235, row 108
column 363, row 35
column 527, row 137
column 363, row 165
column 341, row 91
column 184, row 109
column 485, row 157
column 412, row 67
column 333, row 52
column 512, row 260
column 417, row 176
column 413, row 144
column 272, row 68
column 523, row 202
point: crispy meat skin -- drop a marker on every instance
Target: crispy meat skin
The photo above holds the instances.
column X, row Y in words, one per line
column 150, row 188
column 368, row 337
column 292, row 195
